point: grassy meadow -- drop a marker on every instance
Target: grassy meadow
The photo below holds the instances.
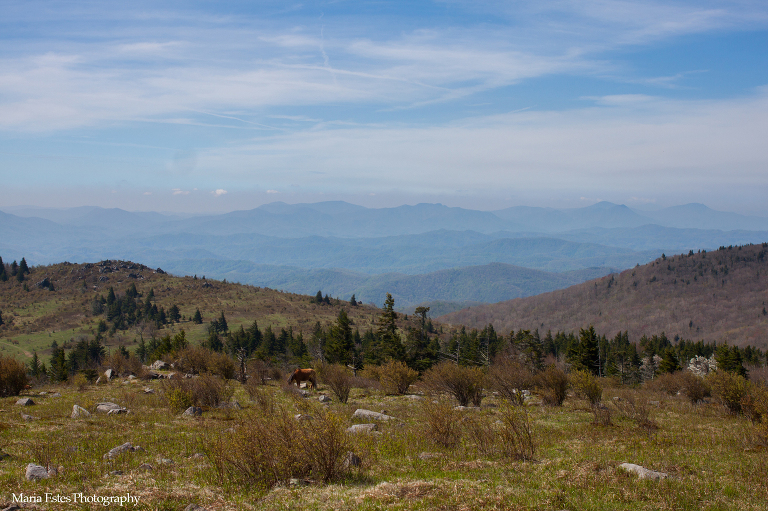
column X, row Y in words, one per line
column 714, row 460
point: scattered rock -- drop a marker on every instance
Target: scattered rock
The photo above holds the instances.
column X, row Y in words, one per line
column 146, row 466
column 120, row 449
column 351, row 460
column 159, row 271
column 194, row 507
column 299, row 482
column 303, row 417
column 464, row 408
column 147, row 390
column 27, row 418
column 368, row 414
column 642, row 472
column 36, row 472
column 197, row 456
column 159, row 365
column 55, row 394
column 414, row 397
column 117, row 411
column 193, row 411
column 116, row 473
column 106, row 407
column 79, row 411
column 165, row 461
column 25, row 401
column 234, row 405
column 98, row 380
column 324, row 399
column 362, row 428
column 109, row 374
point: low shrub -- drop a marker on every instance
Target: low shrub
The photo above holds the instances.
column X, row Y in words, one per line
column 586, row 386
column 198, row 360
column 395, row 377
column 266, row 449
column 729, row 388
column 464, row 383
column 510, row 378
column 205, row 390
column 80, row 381
column 695, row 387
column 13, row 376
column 634, row 406
column 669, row 383
column 443, row 423
column 552, row 385
column 338, row 379
column 516, row 433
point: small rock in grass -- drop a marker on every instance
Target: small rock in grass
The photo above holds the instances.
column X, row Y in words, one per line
column 28, row 418
column 55, row 394
column 25, row 401
column 120, row 449
column 197, row 456
column 116, row 473
column 107, row 406
column 324, row 399
column 79, row 411
column 117, row 411
column 368, row 414
column 147, row 390
column 362, row 428
column 146, row 466
column 642, row 472
column 428, row 456
column 36, row 472
column 193, row 411
column 194, row 507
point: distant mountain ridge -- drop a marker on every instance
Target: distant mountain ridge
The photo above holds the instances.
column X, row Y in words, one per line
column 339, row 238
column 715, row 296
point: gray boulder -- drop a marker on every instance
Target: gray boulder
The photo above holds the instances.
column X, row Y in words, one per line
column 362, row 428
column 106, row 407
column 193, row 411
column 117, row 411
column 351, row 460
column 360, row 413
column 27, row 418
column 109, row 374
column 25, row 401
column 79, row 411
column 642, row 472
column 194, row 507
column 159, row 365
column 120, row 449
column 36, row 472
column 324, row 399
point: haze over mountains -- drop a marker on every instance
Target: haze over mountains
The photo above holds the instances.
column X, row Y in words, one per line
column 342, row 248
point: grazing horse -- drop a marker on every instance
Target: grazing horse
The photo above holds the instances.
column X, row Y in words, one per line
column 300, row 375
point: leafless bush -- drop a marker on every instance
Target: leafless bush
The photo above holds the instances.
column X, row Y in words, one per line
column 205, row 390
column 517, row 433
column 464, row 383
column 443, row 423
column 337, row 377
column 510, row 378
column 198, row 360
column 395, row 377
column 634, row 406
column 481, row 432
column 13, row 376
column 695, row 387
column 552, row 384
column 266, row 449
column 669, row 383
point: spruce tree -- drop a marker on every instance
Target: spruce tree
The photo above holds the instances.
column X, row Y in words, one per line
column 197, row 318
column 390, row 344
column 318, row 297
column 353, row 301
column 23, row 268
column 340, row 344
column 1, row 318
column 669, row 362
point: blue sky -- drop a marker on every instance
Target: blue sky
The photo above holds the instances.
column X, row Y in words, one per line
column 195, row 106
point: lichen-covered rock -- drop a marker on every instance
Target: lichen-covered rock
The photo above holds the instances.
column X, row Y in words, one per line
column 193, row 411
column 79, row 412
column 362, row 428
column 642, row 472
column 120, row 449
column 360, row 413
column 25, row 401
column 36, row 472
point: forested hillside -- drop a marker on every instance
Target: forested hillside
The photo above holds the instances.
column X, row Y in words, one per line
column 715, row 296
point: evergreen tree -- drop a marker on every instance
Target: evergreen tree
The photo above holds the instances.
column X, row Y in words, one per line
column 141, row 351
column 318, row 297
column 23, row 268
column 391, row 346
column 14, row 268
column 586, row 354
column 3, row 273
column 174, row 314
column 340, row 344
column 34, row 365
column 1, row 318
column 111, row 298
column 353, row 301
column 222, row 324
column 669, row 362
column 58, row 370
column 20, row 276
column 197, row 318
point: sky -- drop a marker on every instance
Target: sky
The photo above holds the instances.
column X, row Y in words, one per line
column 201, row 106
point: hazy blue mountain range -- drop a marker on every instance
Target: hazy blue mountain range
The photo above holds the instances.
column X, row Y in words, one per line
column 342, row 248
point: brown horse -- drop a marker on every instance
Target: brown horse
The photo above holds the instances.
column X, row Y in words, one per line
column 300, row 375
